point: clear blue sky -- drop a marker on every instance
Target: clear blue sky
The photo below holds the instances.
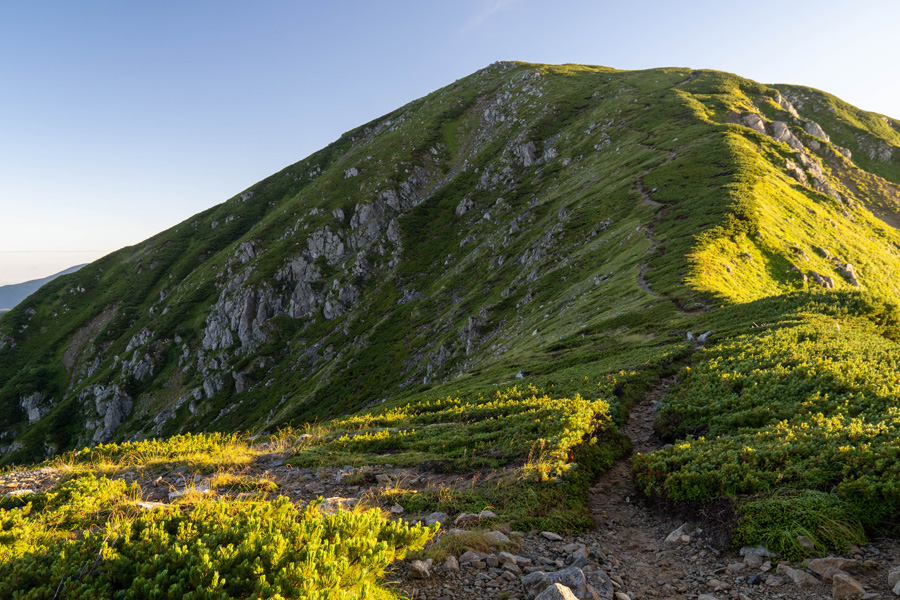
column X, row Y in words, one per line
column 120, row 119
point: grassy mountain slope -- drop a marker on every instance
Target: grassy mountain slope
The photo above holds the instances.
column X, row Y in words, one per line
column 491, row 276
column 474, row 233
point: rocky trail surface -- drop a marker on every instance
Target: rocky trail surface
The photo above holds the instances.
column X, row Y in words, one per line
column 636, row 550
column 640, row 551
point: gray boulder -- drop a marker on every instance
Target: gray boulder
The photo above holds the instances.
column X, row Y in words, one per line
column 754, row 121
column 813, row 128
column 782, row 133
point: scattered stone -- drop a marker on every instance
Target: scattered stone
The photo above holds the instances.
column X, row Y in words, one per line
column 486, row 514
column 419, row 570
column 845, row 587
column 622, row 596
column 451, row 564
column 823, row 280
column 437, row 517
column 466, row 519
column 717, row 585
column 383, row 479
column 827, row 256
column 551, row 537
column 896, row 589
column 396, row 509
column 707, row 597
column 20, row 492
column 675, row 536
column 471, row 556
column 754, row 561
column 506, row 557
column 150, row 505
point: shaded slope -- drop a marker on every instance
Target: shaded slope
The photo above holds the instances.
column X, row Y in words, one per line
column 10, row 295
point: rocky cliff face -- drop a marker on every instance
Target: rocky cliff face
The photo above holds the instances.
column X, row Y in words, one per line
column 474, row 230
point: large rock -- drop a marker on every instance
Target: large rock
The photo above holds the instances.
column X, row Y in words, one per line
column 799, row 577
column 557, row 591
column 826, row 568
column 844, row 587
column 849, row 274
column 783, row 102
column 754, row 121
column 437, row 518
column 464, row 206
column 813, row 128
column 496, row 538
column 894, row 577
column 419, row 570
column 586, row 585
column 782, row 133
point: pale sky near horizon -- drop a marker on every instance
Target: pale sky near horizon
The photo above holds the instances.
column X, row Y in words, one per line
column 121, row 119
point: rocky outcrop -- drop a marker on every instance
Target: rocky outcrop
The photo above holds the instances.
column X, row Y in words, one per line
column 784, row 104
column 525, row 153
column 814, row 129
column 796, row 172
column 782, row 133
column 6, row 341
column 112, row 406
column 755, row 122
column 327, row 244
column 464, row 206
column 849, row 273
column 240, row 318
column 34, row 406
column 139, row 366
column 823, row 280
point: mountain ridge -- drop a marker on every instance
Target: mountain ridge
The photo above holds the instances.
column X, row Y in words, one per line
column 517, row 163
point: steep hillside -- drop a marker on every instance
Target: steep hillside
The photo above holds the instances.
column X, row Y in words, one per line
column 548, row 221
column 10, row 295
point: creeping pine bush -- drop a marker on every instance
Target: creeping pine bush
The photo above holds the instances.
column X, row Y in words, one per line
column 213, row 550
column 486, row 431
column 206, row 451
column 806, row 405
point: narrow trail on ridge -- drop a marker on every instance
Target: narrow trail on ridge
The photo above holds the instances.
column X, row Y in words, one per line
column 634, row 534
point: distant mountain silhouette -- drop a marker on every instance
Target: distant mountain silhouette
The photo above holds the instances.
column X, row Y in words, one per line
column 11, row 295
